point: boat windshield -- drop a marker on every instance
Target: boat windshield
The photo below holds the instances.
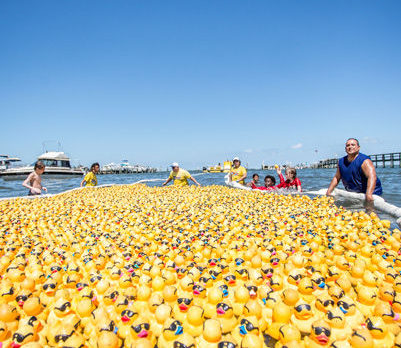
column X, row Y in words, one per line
column 56, row 163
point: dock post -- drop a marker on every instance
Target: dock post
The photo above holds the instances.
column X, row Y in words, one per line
column 374, row 160
column 384, row 161
column 392, row 160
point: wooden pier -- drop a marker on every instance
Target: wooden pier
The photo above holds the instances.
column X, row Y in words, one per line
column 382, row 160
column 387, row 158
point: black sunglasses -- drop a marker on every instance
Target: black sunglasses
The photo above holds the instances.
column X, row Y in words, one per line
column 20, row 338
column 300, row 307
column 138, row 328
column 46, row 286
column 186, row 301
column 319, row 330
column 182, row 345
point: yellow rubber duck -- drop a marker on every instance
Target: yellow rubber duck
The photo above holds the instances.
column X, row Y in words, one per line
column 281, row 315
column 214, row 296
column 320, row 335
column 194, row 321
column 361, row 338
column 162, row 313
column 382, row 337
column 181, row 307
column 171, row 330
column 139, row 329
column 225, row 315
column 340, row 331
column 9, row 315
column 108, row 339
column 289, row 337
column 392, row 319
column 303, row 317
column 353, row 316
column 128, row 316
column 211, row 334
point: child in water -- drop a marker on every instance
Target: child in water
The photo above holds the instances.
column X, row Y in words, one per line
column 90, row 178
column 291, row 180
column 254, row 182
column 34, row 180
column 270, row 181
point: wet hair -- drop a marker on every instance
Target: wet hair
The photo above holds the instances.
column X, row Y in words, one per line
column 254, row 175
column 272, row 178
column 94, row 165
column 39, row 165
column 291, row 171
column 357, row 141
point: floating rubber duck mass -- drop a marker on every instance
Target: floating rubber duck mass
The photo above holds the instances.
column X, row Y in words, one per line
column 136, row 266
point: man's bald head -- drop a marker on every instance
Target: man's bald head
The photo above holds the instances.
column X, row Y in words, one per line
column 357, row 141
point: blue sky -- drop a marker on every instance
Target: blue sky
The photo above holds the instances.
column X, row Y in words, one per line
column 199, row 81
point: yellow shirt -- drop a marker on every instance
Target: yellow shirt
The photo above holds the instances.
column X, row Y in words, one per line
column 90, row 179
column 180, row 178
column 237, row 173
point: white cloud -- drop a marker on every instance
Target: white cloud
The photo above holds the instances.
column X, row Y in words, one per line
column 369, row 140
column 297, row 146
column 248, row 151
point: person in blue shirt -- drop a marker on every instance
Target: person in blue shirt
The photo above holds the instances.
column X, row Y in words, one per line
column 357, row 173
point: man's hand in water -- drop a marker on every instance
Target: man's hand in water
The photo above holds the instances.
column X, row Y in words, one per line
column 369, row 203
column 44, row 189
column 369, row 199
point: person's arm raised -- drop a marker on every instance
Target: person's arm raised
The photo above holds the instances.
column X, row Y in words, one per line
column 334, row 182
column 370, row 172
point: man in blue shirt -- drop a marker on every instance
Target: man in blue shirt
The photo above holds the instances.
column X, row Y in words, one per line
column 357, row 173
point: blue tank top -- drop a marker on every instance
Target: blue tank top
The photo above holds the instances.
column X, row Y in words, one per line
column 352, row 176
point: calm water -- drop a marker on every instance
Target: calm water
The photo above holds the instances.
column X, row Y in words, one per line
column 312, row 179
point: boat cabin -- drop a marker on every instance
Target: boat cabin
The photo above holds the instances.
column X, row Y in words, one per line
column 6, row 161
column 55, row 159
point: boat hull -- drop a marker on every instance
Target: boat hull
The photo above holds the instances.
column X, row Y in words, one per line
column 56, row 173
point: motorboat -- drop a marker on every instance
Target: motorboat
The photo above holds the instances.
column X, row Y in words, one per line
column 218, row 168
column 57, row 165
column 6, row 162
column 125, row 168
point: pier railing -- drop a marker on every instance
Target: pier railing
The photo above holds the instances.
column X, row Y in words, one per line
column 380, row 160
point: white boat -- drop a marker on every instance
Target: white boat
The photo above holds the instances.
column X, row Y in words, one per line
column 6, row 162
column 125, row 168
column 57, row 165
